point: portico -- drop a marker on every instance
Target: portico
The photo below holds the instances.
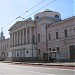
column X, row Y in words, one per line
column 21, row 42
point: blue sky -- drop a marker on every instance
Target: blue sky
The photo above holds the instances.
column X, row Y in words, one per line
column 11, row 9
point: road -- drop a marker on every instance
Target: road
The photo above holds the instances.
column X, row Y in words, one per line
column 14, row 69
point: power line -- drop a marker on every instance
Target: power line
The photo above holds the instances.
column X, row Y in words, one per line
column 42, row 7
column 32, row 7
column 9, row 22
column 24, row 13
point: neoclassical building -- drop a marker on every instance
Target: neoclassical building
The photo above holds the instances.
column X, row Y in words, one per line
column 4, row 46
column 47, row 35
column 61, row 38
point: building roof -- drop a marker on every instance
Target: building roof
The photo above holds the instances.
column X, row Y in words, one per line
column 47, row 10
column 62, row 21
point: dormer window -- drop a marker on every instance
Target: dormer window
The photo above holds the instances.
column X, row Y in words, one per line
column 57, row 16
column 37, row 17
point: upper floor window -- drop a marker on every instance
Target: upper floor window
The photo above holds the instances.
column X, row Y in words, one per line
column 33, row 39
column 38, row 37
column 49, row 37
column 74, row 29
column 7, row 45
column 37, row 17
column 65, row 32
column 1, row 46
column 57, row 48
column 53, row 49
column 57, row 35
column 39, row 51
column 27, row 52
column 49, row 49
column 57, row 16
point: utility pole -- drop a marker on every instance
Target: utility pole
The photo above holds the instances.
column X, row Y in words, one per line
column 46, row 42
column 36, row 37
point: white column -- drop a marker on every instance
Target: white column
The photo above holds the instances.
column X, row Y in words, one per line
column 26, row 37
column 11, row 40
column 30, row 34
column 17, row 37
column 23, row 37
column 14, row 39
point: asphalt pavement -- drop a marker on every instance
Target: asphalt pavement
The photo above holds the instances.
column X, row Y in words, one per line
column 14, row 69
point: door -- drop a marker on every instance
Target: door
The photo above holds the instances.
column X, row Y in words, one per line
column 45, row 56
column 72, row 51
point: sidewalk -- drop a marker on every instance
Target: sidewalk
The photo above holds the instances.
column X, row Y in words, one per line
column 69, row 64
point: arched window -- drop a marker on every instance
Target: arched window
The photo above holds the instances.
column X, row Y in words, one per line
column 27, row 51
column 37, row 17
column 57, row 16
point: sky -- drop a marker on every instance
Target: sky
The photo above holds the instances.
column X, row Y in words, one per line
column 11, row 9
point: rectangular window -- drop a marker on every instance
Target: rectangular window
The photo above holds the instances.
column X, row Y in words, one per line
column 1, row 46
column 49, row 37
column 57, row 49
column 65, row 32
column 49, row 49
column 33, row 39
column 53, row 49
column 7, row 45
column 74, row 29
column 38, row 37
column 39, row 51
column 57, row 35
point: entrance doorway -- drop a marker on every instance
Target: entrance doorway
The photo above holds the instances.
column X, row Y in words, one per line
column 49, row 54
column 45, row 56
column 72, row 51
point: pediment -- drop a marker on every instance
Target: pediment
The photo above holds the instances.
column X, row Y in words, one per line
column 20, row 24
column 17, row 25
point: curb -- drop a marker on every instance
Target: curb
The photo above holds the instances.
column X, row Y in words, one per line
column 44, row 64
column 53, row 65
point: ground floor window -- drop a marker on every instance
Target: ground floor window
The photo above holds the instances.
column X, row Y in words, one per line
column 38, row 51
column 49, row 49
